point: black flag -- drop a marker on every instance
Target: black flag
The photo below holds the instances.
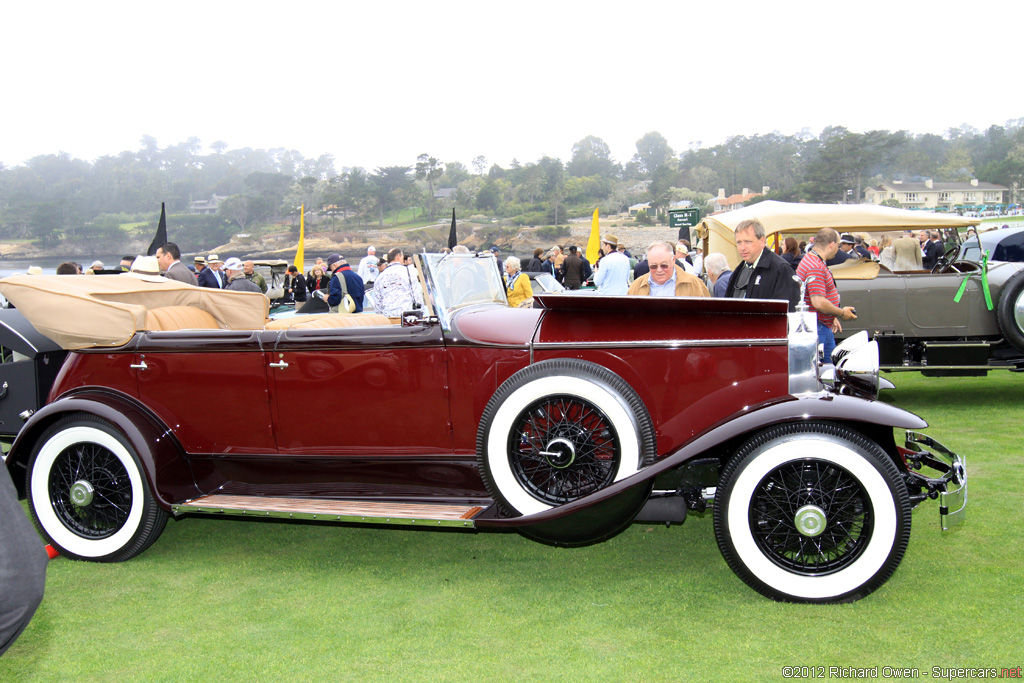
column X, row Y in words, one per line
column 453, row 238
column 160, row 239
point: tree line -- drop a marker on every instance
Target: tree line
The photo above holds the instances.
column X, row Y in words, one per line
column 55, row 198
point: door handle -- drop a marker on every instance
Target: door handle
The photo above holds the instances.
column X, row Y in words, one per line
column 139, row 366
column 280, row 364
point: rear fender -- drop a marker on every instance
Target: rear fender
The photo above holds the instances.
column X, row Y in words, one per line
column 163, row 461
column 872, row 418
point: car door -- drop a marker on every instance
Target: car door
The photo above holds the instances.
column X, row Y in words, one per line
column 917, row 305
column 370, row 391
column 209, row 387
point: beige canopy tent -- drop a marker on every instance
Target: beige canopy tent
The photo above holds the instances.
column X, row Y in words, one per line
column 718, row 231
column 82, row 311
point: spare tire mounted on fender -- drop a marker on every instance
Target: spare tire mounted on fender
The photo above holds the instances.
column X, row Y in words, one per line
column 560, row 430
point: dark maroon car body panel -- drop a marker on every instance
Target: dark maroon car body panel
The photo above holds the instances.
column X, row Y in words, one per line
column 392, row 411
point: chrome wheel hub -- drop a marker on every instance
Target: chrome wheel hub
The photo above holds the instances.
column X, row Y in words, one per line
column 559, row 453
column 810, row 520
column 81, row 493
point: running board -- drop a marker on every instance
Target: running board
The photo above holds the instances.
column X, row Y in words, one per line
column 324, row 510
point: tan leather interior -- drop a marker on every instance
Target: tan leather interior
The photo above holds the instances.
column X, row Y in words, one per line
column 167, row 318
column 327, row 321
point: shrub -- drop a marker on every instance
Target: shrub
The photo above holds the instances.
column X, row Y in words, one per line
column 553, row 232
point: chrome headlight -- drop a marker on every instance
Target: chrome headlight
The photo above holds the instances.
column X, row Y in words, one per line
column 855, row 370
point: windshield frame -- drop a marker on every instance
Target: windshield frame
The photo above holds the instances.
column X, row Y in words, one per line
column 449, row 274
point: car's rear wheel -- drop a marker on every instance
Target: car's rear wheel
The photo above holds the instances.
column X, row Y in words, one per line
column 88, row 494
column 560, row 430
column 1010, row 311
column 812, row 513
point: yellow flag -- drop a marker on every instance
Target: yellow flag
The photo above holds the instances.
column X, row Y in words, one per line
column 300, row 253
column 594, row 243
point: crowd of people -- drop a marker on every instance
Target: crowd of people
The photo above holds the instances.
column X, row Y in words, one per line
column 665, row 269
column 763, row 272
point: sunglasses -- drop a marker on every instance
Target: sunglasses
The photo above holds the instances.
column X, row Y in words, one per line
column 660, row 266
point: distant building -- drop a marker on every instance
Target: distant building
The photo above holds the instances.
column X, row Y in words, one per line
column 444, row 193
column 207, row 206
column 637, row 208
column 929, row 194
column 734, row 201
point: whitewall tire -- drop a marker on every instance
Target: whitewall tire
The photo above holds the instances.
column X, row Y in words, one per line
column 88, row 494
column 812, row 512
column 559, row 430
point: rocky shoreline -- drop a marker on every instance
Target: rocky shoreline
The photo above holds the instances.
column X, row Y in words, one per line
column 352, row 244
column 522, row 243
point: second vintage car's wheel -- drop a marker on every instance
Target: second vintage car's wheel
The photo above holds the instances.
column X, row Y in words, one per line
column 1010, row 311
column 88, row 494
column 812, row 512
column 559, row 430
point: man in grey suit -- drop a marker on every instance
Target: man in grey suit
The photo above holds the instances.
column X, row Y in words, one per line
column 168, row 256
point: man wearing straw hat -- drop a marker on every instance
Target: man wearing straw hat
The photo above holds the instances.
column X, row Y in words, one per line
column 211, row 276
column 612, row 276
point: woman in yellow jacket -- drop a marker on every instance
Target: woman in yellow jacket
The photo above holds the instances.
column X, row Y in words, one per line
column 517, row 285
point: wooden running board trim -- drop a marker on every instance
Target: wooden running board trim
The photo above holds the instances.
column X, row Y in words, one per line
column 362, row 511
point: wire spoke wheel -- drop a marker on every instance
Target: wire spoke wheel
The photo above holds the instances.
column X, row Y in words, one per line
column 563, row 448
column 90, row 490
column 560, row 430
column 812, row 512
column 811, row 517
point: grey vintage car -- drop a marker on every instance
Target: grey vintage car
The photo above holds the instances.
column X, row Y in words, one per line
column 963, row 317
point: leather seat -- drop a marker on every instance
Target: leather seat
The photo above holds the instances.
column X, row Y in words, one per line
column 167, row 318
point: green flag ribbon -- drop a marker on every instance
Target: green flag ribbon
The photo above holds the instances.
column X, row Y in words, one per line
column 984, row 283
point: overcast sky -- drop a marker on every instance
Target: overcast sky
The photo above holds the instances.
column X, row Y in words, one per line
column 378, row 83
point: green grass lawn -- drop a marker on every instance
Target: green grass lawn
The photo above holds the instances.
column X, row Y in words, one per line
column 244, row 600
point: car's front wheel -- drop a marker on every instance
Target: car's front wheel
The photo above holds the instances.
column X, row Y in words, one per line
column 88, row 494
column 812, row 512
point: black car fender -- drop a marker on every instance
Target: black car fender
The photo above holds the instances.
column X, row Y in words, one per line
column 168, row 473
column 876, row 420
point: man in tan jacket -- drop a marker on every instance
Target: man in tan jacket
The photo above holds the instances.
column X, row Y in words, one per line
column 666, row 278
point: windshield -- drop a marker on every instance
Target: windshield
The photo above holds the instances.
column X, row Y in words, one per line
column 461, row 280
column 546, row 282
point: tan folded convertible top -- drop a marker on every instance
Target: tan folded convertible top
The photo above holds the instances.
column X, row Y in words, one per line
column 82, row 311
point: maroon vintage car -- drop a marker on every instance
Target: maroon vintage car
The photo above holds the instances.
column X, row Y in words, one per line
column 566, row 421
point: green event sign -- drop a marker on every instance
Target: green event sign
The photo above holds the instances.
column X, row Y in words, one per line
column 683, row 220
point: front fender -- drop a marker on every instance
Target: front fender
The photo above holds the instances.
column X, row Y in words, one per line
column 163, row 462
column 873, row 416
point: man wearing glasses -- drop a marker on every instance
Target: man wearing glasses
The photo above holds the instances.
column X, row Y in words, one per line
column 762, row 274
column 665, row 277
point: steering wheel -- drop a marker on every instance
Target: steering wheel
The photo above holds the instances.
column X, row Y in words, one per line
column 945, row 262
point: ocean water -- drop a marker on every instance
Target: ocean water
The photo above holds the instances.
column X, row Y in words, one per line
column 49, row 265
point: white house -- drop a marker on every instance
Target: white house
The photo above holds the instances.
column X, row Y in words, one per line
column 929, row 194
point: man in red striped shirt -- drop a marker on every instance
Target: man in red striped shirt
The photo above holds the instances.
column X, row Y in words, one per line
column 821, row 293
